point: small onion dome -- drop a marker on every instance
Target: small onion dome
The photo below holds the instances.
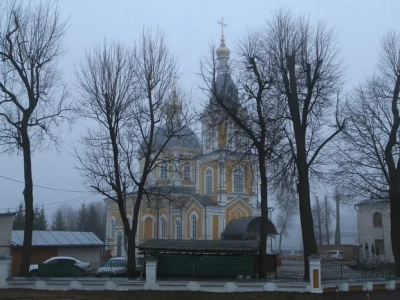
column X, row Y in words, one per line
column 222, row 50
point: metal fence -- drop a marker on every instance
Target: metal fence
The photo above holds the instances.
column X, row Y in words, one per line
column 350, row 270
column 334, row 270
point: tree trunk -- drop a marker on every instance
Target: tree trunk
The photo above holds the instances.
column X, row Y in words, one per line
column 132, row 272
column 264, row 217
column 395, row 227
column 300, row 129
column 307, row 225
column 28, row 199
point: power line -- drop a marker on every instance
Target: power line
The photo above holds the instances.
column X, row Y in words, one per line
column 45, row 187
column 63, row 202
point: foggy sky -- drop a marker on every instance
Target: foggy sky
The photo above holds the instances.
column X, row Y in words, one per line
column 190, row 27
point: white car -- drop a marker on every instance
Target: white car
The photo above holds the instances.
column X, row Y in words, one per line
column 116, row 266
column 333, row 255
column 62, row 261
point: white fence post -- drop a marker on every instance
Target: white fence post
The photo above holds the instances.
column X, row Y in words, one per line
column 5, row 267
column 315, row 274
column 151, row 273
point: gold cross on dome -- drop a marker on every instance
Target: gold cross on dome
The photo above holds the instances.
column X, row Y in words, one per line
column 222, row 25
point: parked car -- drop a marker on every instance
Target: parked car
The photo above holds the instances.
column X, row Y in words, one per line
column 117, row 266
column 333, row 255
column 61, row 261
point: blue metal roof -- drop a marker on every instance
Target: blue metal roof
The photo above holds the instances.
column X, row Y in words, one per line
column 57, row 238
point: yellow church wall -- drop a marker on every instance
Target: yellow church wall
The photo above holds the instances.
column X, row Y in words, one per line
column 163, row 211
column 215, row 234
column 214, row 166
column 222, row 135
column 237, row 210
column 230, row 165
column 148, row 228
column 194, row 207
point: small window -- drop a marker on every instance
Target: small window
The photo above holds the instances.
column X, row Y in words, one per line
column 208, row 138
column 377, row 220
column 164, row 170
column 163, row 227
column 186, row 171
column 194, row 227
column 238, row 180
column 209, row 181
column 178, row 230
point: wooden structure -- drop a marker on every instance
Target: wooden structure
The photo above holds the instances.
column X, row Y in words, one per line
column 206, row 258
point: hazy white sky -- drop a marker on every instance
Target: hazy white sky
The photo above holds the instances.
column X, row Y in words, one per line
column 190, row 27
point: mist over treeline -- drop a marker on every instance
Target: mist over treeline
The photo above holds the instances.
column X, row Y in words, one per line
column 89, row 217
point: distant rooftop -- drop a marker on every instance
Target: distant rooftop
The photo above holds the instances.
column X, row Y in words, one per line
column 373, row 202
column 8, row 214
column 57, row 238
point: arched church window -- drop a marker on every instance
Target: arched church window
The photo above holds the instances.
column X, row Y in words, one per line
column 186, row 171
column 238, row 180
column 193, row 227
column 112, row 233
column 163, row 227
column 178, row 230
column 377, row 220
column 163, row 170
column 208, row 182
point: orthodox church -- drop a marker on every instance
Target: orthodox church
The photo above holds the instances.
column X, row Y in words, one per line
column 210, row 183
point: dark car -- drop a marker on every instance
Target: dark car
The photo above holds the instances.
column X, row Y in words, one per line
column 61, row 261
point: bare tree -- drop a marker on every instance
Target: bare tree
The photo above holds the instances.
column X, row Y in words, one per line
column 127, row 94
column 322, row 216
column 318, row 220
column 287, row 210
column 308, row 78
column 32, row 101
column 372, row 167
column 337, row 212
column 329, row 214
column 247, row 107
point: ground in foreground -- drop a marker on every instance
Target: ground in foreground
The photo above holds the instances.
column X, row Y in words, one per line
column 161, row 295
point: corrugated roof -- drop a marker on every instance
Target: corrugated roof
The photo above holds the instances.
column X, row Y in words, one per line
column 57, row 238
column 211, row 246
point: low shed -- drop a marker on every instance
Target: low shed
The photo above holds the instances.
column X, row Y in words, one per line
column 84, row 246
column 205, row 258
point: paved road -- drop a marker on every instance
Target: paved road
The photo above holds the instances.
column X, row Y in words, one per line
column 8, row 294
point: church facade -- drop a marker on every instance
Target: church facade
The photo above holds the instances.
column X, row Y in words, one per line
column 209, row 181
